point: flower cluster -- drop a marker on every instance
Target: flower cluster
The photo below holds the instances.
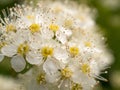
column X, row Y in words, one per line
column 60, row 42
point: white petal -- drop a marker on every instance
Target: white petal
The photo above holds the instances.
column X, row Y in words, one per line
column 76, row 77
column 50, row 67
column 66, row 32
column 9, row 50
column 83, row 79
column 61, row 54
column 18, row 63
column 33, row 58
column 52, row 78
column 61, row 37
column 47, row 34
column 65, row 84
column 1, row 57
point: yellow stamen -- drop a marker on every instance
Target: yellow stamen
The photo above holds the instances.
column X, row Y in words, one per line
column 85, row 68
column 54, row 27
column 34, row 27
column 88, row 44
column 76, row 86
column 66, row 73
column 74, row 50
column 2, row 44
column 47, row 51
column 10, row 27
column 23, row 49
column 41, row 79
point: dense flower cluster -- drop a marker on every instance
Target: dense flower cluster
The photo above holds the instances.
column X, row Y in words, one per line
column 60, row 42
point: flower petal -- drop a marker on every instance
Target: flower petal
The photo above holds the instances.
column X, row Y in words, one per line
column 18, row 63
column 51, row 69
column 61, row 54
column 61, row 37
column 33, row 58
column 9, row 50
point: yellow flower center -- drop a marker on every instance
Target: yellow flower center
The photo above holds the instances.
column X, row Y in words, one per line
column 68, row 23
column 88, row 44
column 2, row 44
column 10, row 27
column 34, row 27
column 23, row 49
column 41, row 79
column 46, row 51
column 54, row 27
column 74, row 50
column 85, row 68
column 66, row 72
column 76, row 86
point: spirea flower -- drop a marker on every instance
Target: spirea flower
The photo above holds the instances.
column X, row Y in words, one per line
column 61, row 43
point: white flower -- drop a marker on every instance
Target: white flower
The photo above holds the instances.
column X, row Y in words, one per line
column 16, row 50
column 58, row 41
column 70, row 74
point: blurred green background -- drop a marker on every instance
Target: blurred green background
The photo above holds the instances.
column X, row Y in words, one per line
column 108, row 18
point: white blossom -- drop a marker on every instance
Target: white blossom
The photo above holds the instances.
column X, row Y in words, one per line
column 58, row 42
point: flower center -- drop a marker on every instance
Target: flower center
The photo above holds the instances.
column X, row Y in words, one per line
column 66, row 72
column 54, row 27
column 88, row 44
column 2, row 44
column 41, row 79
column 46, row 51
column 85, row 68
column 23, row 49
column 34, row 27
column 10, row 27
column 74, row 50
column 76, row 86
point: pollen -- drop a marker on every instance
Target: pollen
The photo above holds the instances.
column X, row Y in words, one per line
column 54, row 27
column 85, row 68
column 34, row 27
column 47, row 51
column 74, row 50
column 66, row 73
column 2, row 44
column 10, row 27
column 88, row 44
column 23, row 49
column 76, row 86
column 41, row 79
